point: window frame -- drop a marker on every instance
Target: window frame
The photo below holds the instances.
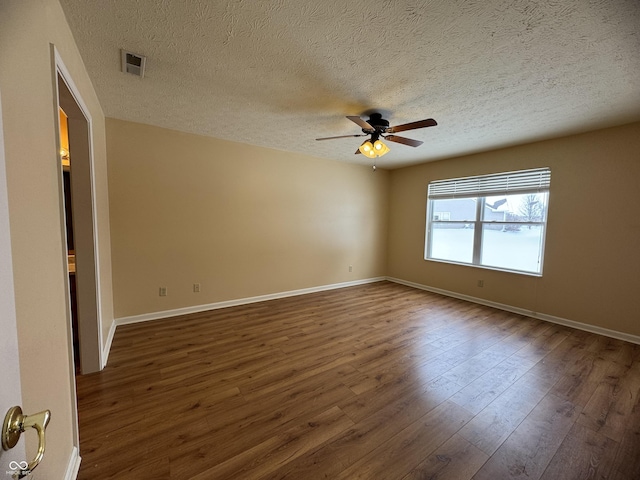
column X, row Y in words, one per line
column 479, row 222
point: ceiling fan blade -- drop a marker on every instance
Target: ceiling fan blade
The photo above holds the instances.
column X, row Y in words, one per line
column 342, row 136
column 429, row 122
column 403, row 140
column 360, row 122
column 358, row 152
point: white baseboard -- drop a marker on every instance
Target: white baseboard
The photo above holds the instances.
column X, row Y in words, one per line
column 107, row 347
column 73, row 467
column 229, row 303
column 241, row 301
column 541, row 316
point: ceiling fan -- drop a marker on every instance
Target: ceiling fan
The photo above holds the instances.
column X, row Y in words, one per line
column 378, row 127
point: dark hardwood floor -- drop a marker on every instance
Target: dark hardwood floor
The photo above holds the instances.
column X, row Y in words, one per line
column 379, row 381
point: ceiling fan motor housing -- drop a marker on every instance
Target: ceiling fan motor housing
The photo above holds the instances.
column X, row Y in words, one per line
column 378, row 123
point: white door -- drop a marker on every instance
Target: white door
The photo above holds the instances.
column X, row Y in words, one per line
column 10, row 391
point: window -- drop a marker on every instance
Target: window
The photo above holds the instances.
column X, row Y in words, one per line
column 493, row 221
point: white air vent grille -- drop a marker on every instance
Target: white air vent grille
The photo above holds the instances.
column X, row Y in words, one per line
column 133, row 63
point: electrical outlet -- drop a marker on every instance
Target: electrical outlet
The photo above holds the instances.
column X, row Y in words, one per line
column 196, row 288
column 481, row 283
column 351, row 268
column 163, row 291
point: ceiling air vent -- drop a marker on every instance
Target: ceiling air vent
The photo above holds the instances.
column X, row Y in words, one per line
column 133, row 63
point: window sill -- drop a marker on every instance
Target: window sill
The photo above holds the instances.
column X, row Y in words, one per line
column 486, row 267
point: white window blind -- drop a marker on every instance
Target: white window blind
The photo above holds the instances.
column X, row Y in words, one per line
column 523, row 181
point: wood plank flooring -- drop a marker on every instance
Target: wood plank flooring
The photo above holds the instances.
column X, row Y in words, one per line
column 379, row 381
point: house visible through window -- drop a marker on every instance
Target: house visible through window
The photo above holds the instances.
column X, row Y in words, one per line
column 442, row 216
column 495, row 221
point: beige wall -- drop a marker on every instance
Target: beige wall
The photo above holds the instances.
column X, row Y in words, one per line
column 27, row 28
column 245, row 221
column 592, row 257
column 240, row 220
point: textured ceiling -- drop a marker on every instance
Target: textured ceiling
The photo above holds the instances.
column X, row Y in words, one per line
column 281, row 73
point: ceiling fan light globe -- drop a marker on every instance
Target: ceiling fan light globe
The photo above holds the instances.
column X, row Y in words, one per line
column 381, row 148
column 366, row 148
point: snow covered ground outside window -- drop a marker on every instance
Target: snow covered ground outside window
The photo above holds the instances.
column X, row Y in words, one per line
column 511, row 250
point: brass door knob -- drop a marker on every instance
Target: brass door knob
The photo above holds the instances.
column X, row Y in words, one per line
column 15, row 423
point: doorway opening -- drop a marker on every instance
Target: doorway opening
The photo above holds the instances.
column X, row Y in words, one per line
column 78, row 208
column 65, row 158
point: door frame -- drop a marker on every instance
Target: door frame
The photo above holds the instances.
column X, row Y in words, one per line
column 91, row 341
